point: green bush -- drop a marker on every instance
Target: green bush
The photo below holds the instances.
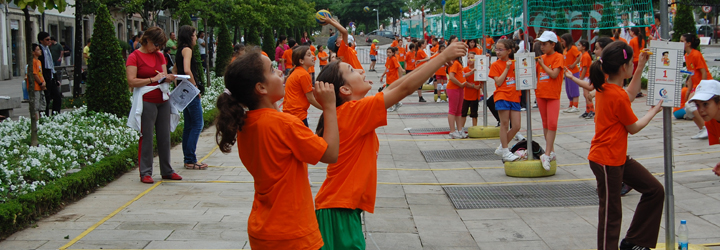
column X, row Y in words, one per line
column 683, row 23
column 253, row 37
column 224, row 50
column 107, row 89
column 269, row 43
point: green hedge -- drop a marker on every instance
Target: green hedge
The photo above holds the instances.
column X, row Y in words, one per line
column 18, row 213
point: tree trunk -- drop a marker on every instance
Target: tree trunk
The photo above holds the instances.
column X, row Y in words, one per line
column 208, row 52
column 77, row 73
column 235, row 35
column 211, row 48
column 31, row 79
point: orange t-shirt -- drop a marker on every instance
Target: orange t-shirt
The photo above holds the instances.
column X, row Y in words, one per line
column 348, row 56
column 547, row 87
column 394, row 44
column 636, row 46
column 621, row 39
column 683, row 99
column 287, row 56
column 613, row 112
column 323, row 54
column 441, row 70
column 585, row 62
column 695, row 61
column 471, row 94
column 713, row 129
column 420, row 55
column 264, row 54
column 373, row 50
column 456, row 68
column 37, row 70
column 476, row 50
column 275, row 148
column 391, row 69
column 507, row 90
column 410, row 60
column 297, row 85
column 352, row 181
column 570, row 56
column 401, row 53
column 489, row 42
column 435, row 48
column 312, row 68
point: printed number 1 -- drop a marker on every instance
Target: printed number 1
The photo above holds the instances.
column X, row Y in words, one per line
column 665, row 73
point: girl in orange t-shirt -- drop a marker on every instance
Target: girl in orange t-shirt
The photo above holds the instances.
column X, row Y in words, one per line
column 506, row 96
column 455, row 94
column 298, row 86
column 572, row 58
column 401, row 54
column 696, row 64
column 373, row 55
column 548, row 92
column 708, row 102
column 608, row 157
column 440, row 82
column 584, row 82
column 323, row 56
column 275, row 148
column 472, row 95
column 392, row 67
column 351, row 184
column 410, row 59
column 472, row 47
column 637, row 43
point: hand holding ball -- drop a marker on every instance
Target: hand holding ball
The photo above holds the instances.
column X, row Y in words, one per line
column 321, row 15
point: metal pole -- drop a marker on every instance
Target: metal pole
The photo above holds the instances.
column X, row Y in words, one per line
column 460, row 37
column 377, row 13
column 442, row 23
column 667, row 147
column 528, row 105
column 485, row 95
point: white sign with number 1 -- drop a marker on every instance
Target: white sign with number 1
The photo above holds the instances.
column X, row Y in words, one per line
column 664, row 78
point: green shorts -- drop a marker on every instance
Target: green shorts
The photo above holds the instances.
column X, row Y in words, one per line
column 341, row 228
column 402, row 64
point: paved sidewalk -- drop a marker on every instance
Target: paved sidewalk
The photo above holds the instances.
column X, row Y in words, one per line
column 209, row 209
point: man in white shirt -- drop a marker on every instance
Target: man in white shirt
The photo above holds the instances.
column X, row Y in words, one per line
column 203, row 48
column 625, row 27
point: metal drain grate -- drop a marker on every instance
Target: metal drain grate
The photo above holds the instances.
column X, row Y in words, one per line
column 424, row 131
column 484, row 154
column 518, row 196
column 423, row 115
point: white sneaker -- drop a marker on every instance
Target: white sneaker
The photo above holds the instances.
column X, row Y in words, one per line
column 454, row 135
column 523, row 109
column 509, row 156
column 462, row 133
column 573, row 110
column 391, row 108
column 545, row 160
column 519, row 137
column 553, row 157
column 703, row 134
column 568, row 109
column 499, row 151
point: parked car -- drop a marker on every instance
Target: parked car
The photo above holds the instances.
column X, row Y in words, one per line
column 383, row 33
column 704, row 30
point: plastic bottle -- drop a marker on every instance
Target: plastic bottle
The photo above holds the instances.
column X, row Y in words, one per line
column 682, row 236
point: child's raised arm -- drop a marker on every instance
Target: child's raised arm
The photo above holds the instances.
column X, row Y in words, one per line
column 634, row 86
column 339, row 28
column 409, row 83
column 325, row 93
column 582, row 83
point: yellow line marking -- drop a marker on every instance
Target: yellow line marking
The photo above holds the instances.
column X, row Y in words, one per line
column 93, row 227
column 208, row 155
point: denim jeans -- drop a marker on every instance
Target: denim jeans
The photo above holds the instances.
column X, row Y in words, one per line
column 193, row 117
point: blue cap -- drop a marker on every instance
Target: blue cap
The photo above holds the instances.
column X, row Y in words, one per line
column 683, row 222
column 331, row 43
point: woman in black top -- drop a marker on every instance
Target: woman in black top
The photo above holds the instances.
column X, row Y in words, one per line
column 185, row 64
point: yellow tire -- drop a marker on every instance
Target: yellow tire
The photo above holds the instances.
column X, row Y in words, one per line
column 435, row 97
column 483, row 132
column 661, row 246
column 443, row 97
column 428, row 87
column 529, row 169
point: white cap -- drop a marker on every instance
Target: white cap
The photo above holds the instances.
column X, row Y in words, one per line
column 706, row 90
column 548, row 36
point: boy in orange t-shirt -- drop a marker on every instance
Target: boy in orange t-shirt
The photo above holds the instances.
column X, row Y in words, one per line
column 488, row 44
column 373, row 55
column 401, row 54
column 38, row 80
column 322, row 56
column 472, row 95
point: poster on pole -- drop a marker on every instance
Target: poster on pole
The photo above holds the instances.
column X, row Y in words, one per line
column 482, row 67
column 664, row 78
column 525, row 71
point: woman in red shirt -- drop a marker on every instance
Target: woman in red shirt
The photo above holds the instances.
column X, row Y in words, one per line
column 145, row 67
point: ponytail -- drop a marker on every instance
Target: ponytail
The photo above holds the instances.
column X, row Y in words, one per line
column 617, row 54
column 597, row 76
column 241, row 77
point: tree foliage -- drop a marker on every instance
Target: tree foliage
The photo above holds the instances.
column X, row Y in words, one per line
column 684, row 22
column 268, row 44
column 224, row 50
column 352, row 10
column 107, row 81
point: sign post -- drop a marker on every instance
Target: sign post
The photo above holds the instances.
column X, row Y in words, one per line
column 525, row 81
column 477, row 78
column 667, row 146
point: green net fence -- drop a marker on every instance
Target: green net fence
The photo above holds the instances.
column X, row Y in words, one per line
column 503, row 17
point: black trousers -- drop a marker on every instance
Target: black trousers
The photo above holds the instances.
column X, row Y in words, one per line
column 52, row 93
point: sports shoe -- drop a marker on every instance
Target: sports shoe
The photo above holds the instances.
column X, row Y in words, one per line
column 462, row 134
column 509, row 156
column 553, row 156
column 591, row 115
column 499, row 151
column 399, row 104
column 568, row 109
column 392, row 108
column 534, row 105
column 703, row 134
column 584, row 115
column 523, row 109
column 173, row 176
column 626, row 245
column 545, row 160
column 625, row 189
column 519, row 137
column 573, row 110
column 147, row 179
column 454, row 135
column 422, row 99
